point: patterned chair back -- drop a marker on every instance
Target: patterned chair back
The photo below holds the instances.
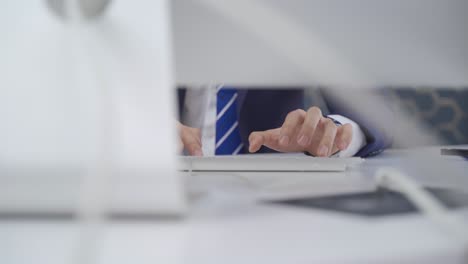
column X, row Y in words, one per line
column 443, row 109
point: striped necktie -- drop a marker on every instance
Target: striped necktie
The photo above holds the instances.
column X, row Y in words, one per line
column 228, row 140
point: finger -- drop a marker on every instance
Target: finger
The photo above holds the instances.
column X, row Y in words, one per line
column 180, row 147
column 309, row 125
column 192, row 143
column 291, row 124
column 256, row 140
column 268, row 138
column 328, row 138
column 344, row 136
column 194, row 149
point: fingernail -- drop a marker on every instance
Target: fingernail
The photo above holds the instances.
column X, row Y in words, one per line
column 284, row 140
column 303, row 141
column 323, row 151
column 198, row 153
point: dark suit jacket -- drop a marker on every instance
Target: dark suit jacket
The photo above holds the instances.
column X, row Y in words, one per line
column 263, row 109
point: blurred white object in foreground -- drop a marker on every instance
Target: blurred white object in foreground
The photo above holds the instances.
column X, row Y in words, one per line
column 87, row 98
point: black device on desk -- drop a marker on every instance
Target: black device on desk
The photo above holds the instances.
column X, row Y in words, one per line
column 454, row 152
column 377, row 203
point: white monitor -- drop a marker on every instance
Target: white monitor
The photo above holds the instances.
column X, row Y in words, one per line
column 86, row 110
column 303, row 42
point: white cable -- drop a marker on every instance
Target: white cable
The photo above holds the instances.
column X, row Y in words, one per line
column 431, row 207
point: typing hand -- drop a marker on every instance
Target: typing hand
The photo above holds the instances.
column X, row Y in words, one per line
column 304, row 131
column 190, row 139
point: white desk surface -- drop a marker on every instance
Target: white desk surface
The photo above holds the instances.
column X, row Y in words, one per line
column 224, row 225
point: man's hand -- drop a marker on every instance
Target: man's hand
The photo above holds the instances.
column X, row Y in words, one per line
column 304, row 131
column 190, row 139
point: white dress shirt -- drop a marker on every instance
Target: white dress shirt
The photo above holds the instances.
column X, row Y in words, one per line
column 199, row 111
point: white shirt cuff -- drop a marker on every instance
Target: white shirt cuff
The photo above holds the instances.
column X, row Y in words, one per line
column 357, row 142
